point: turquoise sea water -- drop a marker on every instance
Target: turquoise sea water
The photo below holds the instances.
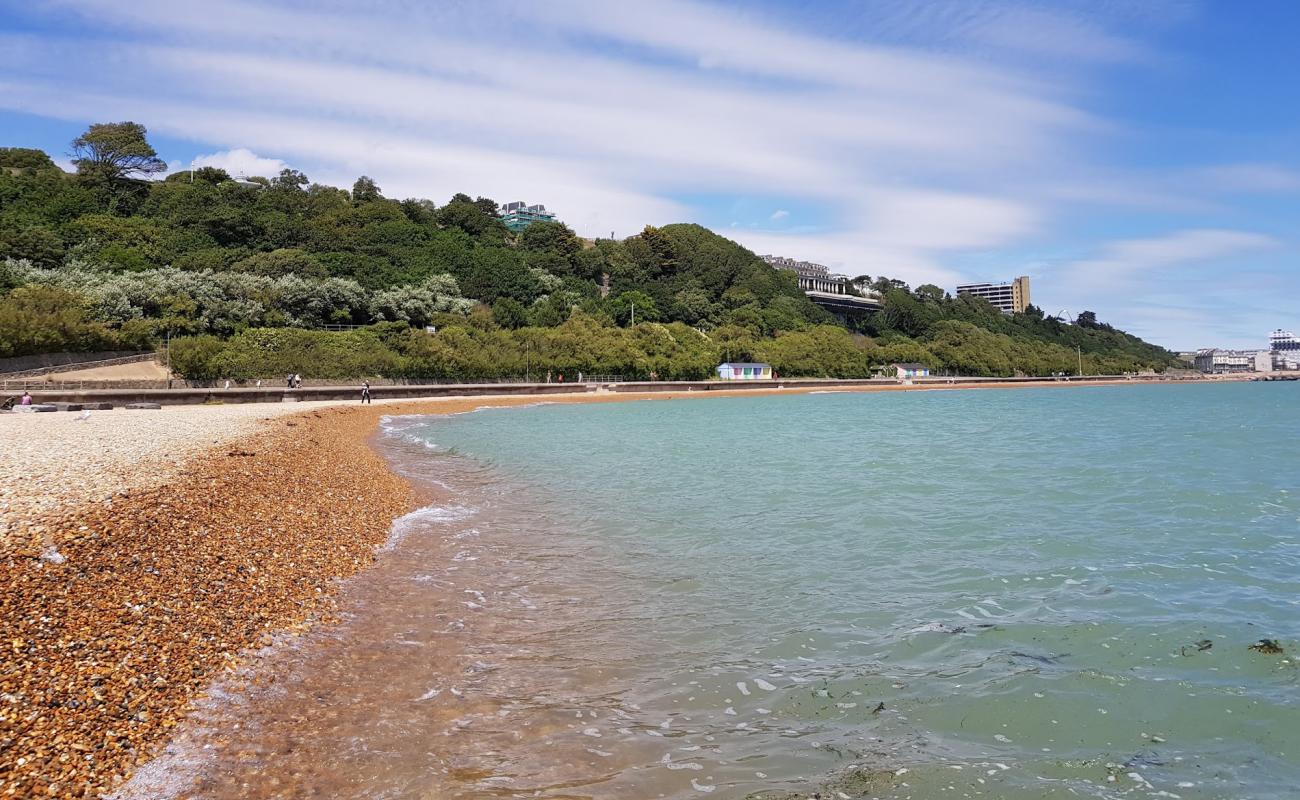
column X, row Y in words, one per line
column 1021, row 577
column 1037, row 593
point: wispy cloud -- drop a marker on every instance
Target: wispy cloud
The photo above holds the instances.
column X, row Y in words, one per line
column 779, row 215
column 1127, row 259
column 1188, row 288
column 605, row 111
column 1250, row 178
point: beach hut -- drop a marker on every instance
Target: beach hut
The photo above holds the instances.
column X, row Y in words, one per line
column 911, row 370
column 741, row 371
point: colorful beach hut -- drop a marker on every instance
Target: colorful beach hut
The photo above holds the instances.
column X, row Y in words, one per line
column 911, row 370
column 741, row 371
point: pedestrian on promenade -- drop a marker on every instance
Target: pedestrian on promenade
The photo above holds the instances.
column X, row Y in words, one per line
column 27, row 399
column 227, row 383
column 365, row 391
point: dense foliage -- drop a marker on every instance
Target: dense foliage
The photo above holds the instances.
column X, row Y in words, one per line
column 244, row 276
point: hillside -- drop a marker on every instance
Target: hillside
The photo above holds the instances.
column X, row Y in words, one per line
column 244, row 275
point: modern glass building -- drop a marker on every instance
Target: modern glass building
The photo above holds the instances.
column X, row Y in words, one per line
column 520, row 215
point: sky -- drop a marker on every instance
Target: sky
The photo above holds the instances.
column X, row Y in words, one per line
column 1136, row 159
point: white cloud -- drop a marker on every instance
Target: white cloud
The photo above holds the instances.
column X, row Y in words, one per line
column 241, row 162
column 779, row 214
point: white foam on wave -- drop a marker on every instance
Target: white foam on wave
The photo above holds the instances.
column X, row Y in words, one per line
column 429, row 515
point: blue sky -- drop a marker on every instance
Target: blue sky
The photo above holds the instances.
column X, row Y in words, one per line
column 1136, row 159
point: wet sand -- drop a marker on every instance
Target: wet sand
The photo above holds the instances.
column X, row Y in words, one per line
column 154, row 592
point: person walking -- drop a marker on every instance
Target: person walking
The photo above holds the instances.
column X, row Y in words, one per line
column 365, row 391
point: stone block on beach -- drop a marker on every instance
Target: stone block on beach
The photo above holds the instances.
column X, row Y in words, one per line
column 144, row 406
column 97, row 406
column 42, row 407
column 68, row 406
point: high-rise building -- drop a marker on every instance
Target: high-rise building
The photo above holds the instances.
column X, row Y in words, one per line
column 1282, row 341
column 520, row 215
column 1009, row 298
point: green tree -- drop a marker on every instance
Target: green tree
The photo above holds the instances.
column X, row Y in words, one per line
column 365, row 190
column 35, row 243
column 24, row 158
column 509, row 313
column 195, row 358
column 497, row 272
column 282, row 262
column 45, row 319
column 113, row 151
column 633, row 306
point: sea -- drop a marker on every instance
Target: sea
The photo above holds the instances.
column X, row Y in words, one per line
column 1084, row 592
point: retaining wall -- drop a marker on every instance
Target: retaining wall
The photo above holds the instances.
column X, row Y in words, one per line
column 122, row 396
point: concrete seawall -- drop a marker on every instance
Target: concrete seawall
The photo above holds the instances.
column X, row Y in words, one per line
column 189, row 396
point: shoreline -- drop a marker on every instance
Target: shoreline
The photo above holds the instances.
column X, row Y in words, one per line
column 161, row 587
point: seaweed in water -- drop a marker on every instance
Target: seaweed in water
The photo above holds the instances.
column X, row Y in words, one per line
column 1268, row 647
column 1056, row 659
column 854, row 783
column 1201, row 646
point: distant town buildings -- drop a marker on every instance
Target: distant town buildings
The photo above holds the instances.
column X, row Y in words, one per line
column 1283, row 354
column 743, row 371
column 1009, row 298
column 520, row 215
column 833, row 292
column 1214, row 361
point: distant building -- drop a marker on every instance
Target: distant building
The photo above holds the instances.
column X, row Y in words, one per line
column 1009, row 298
column 1283, row 341
column 741, row 371
column 833, row 292
column 520, row 215
column 911, row 370
column 812, row 277
column 1213, row 361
